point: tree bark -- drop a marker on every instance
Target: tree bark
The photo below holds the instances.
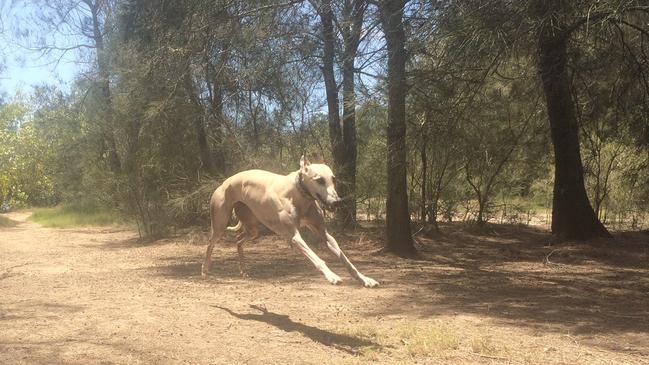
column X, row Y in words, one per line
column 199, row 127
column 399, row 238
column 331, row 89
column 216, row 116
column 352, row 22
column 218, row 119
column 572, row 214
column 347, row 166
column 342, row 135
column 424, row 174
column 108, row 129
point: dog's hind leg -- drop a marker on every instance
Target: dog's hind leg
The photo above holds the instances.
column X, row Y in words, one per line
column 242, row 266
column 220, row 211
column 249, row 231
column 250, row 234
column 207, row 263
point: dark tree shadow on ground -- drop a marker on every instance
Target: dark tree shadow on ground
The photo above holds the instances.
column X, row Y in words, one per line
column 30, row 309
column 283, row 322
column 521, row 277
column 513, row 275
column 268, row 259
column 259, row 267
column 8, row 272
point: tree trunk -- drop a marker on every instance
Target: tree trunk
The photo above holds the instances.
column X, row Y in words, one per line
column 347, row 213
column 433, row 208
column 218, row 119
column 399, row 238
column 108, row 129
column 216, row 116
column 199, row 127
column 481, row 208
column 572, row 215
column 254, row 121
column 331, row 89
column 353, row 14
column 203, row 146
column 424, row 175
column 342, row 136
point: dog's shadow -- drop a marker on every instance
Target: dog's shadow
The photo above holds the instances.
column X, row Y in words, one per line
column 338, row 341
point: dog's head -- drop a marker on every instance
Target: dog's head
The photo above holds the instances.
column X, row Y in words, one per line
column 319, row 181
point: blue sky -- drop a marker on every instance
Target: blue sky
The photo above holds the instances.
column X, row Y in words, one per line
column 32, row 71
column 24, row 68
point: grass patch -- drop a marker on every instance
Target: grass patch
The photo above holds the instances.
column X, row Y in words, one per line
column 75, row 215
column 373, row 336
column 408, row 340
column 366, row 333
column 484, row 345
column 6, row 222
column 433, row 339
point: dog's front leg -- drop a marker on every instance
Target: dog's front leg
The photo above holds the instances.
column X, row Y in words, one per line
column 298, row 242
column 333, row 246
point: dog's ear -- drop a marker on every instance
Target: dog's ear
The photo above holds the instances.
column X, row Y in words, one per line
column 304, row 164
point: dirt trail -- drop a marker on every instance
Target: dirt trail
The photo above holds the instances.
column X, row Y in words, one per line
column 97, row 296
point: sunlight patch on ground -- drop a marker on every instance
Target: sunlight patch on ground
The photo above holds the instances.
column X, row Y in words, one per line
column 75, row 215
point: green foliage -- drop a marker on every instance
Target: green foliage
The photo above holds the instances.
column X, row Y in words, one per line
column 371, row 180
column 24, row 176
column 186, row 94
column 6, row 222
column 76, row 215
column 475, row 74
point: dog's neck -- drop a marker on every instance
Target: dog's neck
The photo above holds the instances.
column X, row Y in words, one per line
column 299, row 183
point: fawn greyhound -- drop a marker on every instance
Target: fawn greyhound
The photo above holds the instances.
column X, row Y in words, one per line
column 283, row 203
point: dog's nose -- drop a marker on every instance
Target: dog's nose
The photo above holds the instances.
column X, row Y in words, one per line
column 337, row 202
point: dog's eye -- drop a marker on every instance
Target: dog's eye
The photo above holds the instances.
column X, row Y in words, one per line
column 320, row 180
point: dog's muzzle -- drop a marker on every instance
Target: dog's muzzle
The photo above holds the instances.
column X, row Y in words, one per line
column 332, row 204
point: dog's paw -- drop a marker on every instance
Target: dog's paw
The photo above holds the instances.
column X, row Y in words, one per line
column 334, row 279
column 204, row 273
column 370, row 283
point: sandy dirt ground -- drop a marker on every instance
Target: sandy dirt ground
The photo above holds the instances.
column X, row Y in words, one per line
column 492, row 296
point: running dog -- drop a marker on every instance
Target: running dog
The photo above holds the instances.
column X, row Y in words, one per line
column 283, row 203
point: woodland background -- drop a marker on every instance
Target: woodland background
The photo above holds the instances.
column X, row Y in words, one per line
column 523, row 112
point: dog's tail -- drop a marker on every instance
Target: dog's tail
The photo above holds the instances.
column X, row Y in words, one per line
column 235, row 228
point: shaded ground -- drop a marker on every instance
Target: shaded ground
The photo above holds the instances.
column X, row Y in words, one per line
column 500, row 295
